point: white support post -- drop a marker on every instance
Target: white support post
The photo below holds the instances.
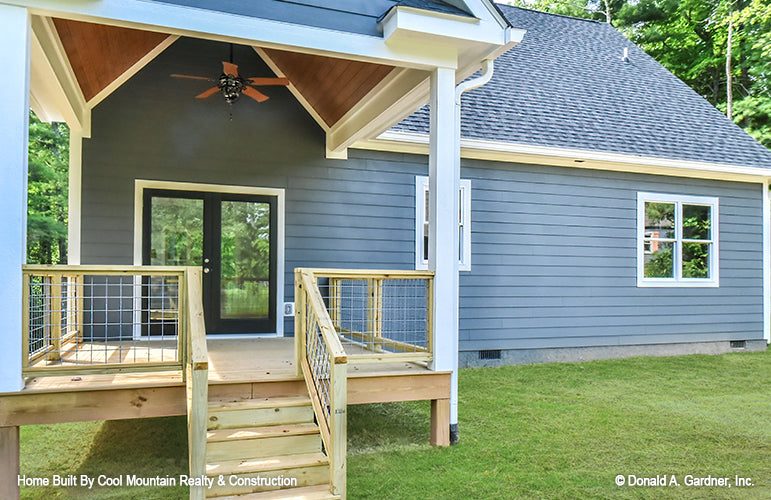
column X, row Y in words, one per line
column 444, row 183
column 14, row 137
column 74, row 203
column 766, row 261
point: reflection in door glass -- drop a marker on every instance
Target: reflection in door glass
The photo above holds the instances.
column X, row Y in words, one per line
column 176, row 239
column 245, row 264
column 176, row 233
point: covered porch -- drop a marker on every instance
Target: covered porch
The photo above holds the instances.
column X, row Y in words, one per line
column 96, row 344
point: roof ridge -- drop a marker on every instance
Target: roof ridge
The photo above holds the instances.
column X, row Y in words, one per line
column 549, row 13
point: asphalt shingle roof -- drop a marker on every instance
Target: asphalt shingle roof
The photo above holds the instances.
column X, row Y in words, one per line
column 566, row 86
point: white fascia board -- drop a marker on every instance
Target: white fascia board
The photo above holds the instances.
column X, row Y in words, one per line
column 416, row 24
column 54, row 87
column 227, row 27
column 406, row 142
column 399, row 94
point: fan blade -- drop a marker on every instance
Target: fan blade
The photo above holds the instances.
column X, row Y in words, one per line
column 191, row 77
column 255, row 94
column 211, row 91
column 268, row 81
column 229, row 68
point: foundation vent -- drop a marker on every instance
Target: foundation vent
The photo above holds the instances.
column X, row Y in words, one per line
column 490, row 354
column 738, row 344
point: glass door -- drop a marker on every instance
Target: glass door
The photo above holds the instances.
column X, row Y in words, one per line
column 233, row 238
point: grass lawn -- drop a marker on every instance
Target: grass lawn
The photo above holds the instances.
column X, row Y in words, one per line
column 536, row 431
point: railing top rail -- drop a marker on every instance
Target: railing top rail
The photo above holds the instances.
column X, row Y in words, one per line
column 97, row 269
column 367, row 273
column 331, row 338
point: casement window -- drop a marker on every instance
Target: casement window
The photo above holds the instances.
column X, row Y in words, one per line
column 677, row 241
column 422, row 223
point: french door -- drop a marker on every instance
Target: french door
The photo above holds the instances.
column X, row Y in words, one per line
column 232, row 237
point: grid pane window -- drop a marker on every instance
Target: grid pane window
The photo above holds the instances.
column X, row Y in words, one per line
column 677, row 240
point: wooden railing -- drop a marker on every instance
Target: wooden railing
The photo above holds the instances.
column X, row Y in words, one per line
column 196, row 379
column 102, row 319
column 380, row 316
column 323, row 363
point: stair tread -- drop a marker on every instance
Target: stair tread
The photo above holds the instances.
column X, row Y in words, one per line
column 253, row 465
column 253, row 404
column 267, row 431
column 320, row 492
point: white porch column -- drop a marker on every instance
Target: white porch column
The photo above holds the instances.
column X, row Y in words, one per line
column 14, row 132
column 444, row 183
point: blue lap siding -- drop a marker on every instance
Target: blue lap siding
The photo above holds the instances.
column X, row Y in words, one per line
column 553, row 249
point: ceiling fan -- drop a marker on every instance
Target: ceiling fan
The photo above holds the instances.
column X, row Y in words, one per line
column 232, row 85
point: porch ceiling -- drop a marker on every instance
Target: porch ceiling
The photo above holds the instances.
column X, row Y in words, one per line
column 102, row 57
column 99, row 54
column 330, row 86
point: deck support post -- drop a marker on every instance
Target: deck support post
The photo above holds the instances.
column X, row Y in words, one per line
column 9, row 463
column 444, row 185
column 440, row 422
column 14, row 131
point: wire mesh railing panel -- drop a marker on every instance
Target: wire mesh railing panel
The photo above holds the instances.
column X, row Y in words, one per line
column 102, row 320
column 380, row 315
column 319, row 361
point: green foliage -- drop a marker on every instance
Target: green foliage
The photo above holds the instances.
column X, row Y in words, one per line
column 47, row 192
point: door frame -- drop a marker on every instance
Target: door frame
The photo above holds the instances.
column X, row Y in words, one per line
column 141, row 184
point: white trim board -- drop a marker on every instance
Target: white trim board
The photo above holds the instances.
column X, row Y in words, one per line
column 408, row 142
column 131, row 71
column 766, row 262
column 141, row 184
column 244, row 30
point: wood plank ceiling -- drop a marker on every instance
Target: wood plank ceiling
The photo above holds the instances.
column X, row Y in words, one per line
column 331, row 86
column 100, row 54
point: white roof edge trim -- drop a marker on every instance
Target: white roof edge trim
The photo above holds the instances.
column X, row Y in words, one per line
column 420, row 142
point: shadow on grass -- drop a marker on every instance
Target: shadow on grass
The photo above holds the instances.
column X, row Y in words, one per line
column 388, row 427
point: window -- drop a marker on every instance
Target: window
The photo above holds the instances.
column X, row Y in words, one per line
column 677, row 240
column 421, row 224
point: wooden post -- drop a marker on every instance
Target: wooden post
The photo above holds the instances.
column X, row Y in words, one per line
column 299, row 321
column 197, row 377
column 440, row 422
column 339, row 428
column 374, row 314
column 55, row 317
column 80, row 290
column 9, row 463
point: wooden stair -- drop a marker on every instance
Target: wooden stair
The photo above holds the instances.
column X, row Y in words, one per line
column 265, row 438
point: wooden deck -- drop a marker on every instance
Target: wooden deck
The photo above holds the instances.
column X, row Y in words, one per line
column 237, row 368
column 114, row 352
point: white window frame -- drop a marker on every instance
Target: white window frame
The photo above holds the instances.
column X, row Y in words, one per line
column 714, row 256
column 464, row 223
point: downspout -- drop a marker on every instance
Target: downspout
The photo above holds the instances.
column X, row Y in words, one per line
column 487, row 74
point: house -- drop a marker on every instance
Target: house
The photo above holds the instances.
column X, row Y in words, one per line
column 263, row 229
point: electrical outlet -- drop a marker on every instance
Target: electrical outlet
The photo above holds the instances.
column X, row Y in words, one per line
column 288, row 308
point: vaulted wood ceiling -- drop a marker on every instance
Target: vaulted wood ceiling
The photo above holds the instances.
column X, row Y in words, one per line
column 99, row 55
column 331, row 86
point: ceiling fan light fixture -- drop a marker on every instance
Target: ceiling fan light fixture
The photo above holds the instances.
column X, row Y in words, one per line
column 231, row 87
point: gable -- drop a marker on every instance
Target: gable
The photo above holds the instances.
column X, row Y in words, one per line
column 567, row 86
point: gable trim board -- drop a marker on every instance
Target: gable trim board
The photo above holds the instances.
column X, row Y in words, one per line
column 227, row 27
column 141, row 184
column 415, row 143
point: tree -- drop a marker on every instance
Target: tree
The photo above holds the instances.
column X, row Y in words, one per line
column 47, row 192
